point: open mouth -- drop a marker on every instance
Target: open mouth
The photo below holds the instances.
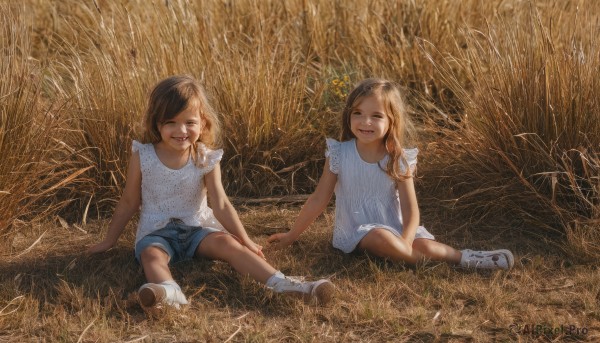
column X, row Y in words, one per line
column 366, row 131
column 180, row 139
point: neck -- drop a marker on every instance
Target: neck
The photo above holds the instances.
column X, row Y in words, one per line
column 173, row 159
column 371, row 152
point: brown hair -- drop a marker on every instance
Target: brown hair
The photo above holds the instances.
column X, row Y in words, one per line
column 400, row 127
column 170, row 97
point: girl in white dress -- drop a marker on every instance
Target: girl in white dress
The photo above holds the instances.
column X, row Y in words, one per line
column 168, row 180
column 372, row 176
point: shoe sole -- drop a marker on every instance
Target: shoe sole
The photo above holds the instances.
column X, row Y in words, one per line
column 323, row 291
column 151, row 295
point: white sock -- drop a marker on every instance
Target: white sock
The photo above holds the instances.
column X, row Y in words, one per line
column 174, row 294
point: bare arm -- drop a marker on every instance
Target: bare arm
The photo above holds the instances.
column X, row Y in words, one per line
column 224, row 211
column 409, row 209
column 128, row 205
column 314, row 206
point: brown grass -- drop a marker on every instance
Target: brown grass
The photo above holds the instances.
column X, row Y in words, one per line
column 56, row 294
column 527, row 145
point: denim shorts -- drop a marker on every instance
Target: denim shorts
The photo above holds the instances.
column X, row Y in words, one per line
column 178, row 240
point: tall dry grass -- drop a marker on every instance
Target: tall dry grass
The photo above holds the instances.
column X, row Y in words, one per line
column 267, row 65
column 33, row 167
column 273, row 71
column 527, row 147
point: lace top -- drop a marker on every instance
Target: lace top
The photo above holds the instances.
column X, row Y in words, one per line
column 365, row 196
column 169, row 193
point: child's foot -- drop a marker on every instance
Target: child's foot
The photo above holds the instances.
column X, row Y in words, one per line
column 168, row 292
column 151, row 294
column 494, row 259
column 322, row 290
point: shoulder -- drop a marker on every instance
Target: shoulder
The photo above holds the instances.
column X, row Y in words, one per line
column 333, row 144
column 410, row 154
column 137, row 146
column 409, row 158
column 334, row 152
column 208, row 157
column 333, row 147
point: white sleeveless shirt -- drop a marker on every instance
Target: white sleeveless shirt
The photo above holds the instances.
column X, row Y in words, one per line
column 365, row 196
column 168, row 193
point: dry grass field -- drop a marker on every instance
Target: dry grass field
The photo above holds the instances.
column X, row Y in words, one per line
column 504, row 94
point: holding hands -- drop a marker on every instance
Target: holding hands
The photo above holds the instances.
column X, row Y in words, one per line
column 281, row 240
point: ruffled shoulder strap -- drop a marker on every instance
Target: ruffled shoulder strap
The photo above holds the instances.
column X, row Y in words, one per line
column 208, row 158
column 410, row 158
column 333, row 152
column 136, row 146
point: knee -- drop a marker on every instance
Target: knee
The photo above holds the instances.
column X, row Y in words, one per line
column 385, row 244
column 423, row 246
column 379, row 237
column 153, row 253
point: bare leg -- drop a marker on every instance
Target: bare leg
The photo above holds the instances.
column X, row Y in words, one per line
column 437, row 251
column 155, row 262
column 225, row 247
column 383, row 243
column 161, row 286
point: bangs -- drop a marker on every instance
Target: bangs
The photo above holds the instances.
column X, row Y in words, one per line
column 177, row 103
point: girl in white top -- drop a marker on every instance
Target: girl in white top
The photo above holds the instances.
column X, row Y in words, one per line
column 372, row 176
column 169, row 179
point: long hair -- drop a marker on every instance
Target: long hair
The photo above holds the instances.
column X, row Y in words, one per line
column 400, row 128
column 170, row 97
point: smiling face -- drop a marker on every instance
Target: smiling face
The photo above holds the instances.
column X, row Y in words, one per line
column 182, row 131
column 369, row 122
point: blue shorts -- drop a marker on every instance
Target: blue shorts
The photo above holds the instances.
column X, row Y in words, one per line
column 178, row 240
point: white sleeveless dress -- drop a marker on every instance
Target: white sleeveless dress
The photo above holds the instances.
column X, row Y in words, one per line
column 365, row 196
column 168, row 193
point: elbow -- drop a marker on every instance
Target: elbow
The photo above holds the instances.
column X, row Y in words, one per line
column 222, row 207
column 131, row 205
column 319, row 203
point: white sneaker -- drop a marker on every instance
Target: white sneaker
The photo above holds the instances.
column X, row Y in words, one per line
column 494, row 259
column 154, row 295
column 151, row 294
column 322, row 290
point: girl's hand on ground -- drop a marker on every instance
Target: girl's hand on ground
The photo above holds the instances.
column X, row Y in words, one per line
column 280, row 240
column 98, row 248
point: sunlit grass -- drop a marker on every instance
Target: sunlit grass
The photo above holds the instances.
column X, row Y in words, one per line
column 527, row 147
